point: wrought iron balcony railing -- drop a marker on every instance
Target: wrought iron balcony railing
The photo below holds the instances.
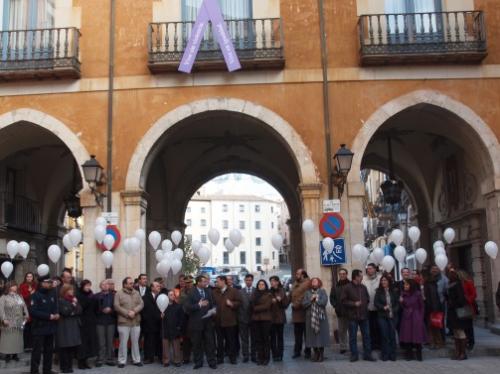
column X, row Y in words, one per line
column 258, row 43
column 39, row 53
column 422, row 38
column 19, row 213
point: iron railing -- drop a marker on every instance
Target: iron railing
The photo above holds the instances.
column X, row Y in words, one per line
column 459, row 35
column 40, row 51
column 20, row 213
column 257, row 42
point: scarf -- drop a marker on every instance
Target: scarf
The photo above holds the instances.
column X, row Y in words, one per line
column 317, row 314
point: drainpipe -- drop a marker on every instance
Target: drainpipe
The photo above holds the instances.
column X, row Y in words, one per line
column 326, row 102
column 109, row 168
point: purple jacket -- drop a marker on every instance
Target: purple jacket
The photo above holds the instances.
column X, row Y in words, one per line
column 412, row 329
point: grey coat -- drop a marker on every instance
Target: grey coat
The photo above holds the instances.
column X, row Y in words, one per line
column 322, row 339
column 68, row 327
column 244, row 311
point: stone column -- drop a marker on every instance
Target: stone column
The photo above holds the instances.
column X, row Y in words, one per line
column 93, row 268
column 493, row 266
column 352, row 211
column 132, row 217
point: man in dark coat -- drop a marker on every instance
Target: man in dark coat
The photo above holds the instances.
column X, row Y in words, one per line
column 355, row 300
column 151, row 324
column 244, row 321
column 45, row 315
column 201, row 330
column 227, row 300
column 343, row 321
column 106, row 325
column 498, row 296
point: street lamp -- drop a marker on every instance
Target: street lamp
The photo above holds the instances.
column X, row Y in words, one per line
column 343, row 162
column 93, row 173
column 391, row 188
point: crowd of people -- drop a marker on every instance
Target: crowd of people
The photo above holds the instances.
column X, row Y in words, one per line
column 60, row 321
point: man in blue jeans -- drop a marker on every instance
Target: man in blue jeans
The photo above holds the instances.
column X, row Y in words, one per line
column 355, row 299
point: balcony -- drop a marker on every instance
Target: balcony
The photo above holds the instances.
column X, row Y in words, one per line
column 258, row 43
column 19, row 213
column 40, row 53
column 413, row 38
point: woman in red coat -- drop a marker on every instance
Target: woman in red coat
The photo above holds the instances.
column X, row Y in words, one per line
column 470, row 295
column 26, row 289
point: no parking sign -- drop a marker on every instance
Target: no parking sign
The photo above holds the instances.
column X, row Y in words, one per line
column 331, row 225
column 111, row 230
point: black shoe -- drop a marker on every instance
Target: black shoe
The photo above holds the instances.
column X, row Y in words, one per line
column 220, row 361
column 343, row 351
column 15, row 358
column 138, row 364
column 246, row 359
column 296, row 355
column 353, row 359
column 254, row 359
column 233, row 361
column 7, row 359
column 186, row 362
column 369, row 358
column 121, row 366
column 197, row 366
column 178, row 365
column 148, row 362
column 212, row 366
column 111, row 363
column 98, row 365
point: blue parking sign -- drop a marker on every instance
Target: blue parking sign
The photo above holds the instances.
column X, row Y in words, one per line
column 335, row 257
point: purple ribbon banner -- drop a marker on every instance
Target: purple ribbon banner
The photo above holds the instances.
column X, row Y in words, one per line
column 209, row 12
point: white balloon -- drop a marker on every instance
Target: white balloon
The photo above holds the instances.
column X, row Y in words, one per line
column 168, row 256
column 154, row 239
column 24, row 249
column 76, row 237
column 140, row 234
column 126, row 245
column 196, row 245
column 441, row 262
column 357, row 252
column 372, row 258
column 414, row 234
column 68, row 244
column 438, row 243
column 7, row 268
column 421, row 255
column 54, row 253
column 378, row 254
column 365, row 253
column 439, row 251
column 228, row 244
column 400, row 253
column 159, row 255
column 99, row 233
column 109, row 242
column 176, row 237
column 328, row 244
column 204, row 254
column 277, row 241
column 101, row 221
column 491, row 249
column 176, row 266
column 213, row 236
column 397, row 236
column 163, row 267
column 449, row 235
column 107, row 258
column 235, row 236
column 166, row 245
column 178, row 254
column 308, row 225
column 134, row 246
column 162, row 302
column 42, row 270
column 12, row 248
column 388, row 263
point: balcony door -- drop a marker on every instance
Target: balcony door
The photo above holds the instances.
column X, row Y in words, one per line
column 414, row 21
column 231, row 10
column 26, row 16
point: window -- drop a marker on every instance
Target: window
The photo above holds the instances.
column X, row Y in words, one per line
column 231, row 9
column 422, row 23
column 272, row 209
column 188, row 222
column 272, row 225
column 257, row 208
column 258, row 242
column 257, row 225
column 204, row 239
column 188, row 209
column 189, row 238
column 224, row 208
column 242, row 208
column 224, row 240
column 242, row 225
column 203, row 209
column 243, row 258
column 225, row 258
column 258, row 257
column 274, row 255
column 27, row 14
column 203, row 223
column 225, row 224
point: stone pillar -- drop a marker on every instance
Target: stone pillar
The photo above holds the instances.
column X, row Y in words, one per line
column 93, row 268
column 493, row 266
column 352, row 211
column 132, row 217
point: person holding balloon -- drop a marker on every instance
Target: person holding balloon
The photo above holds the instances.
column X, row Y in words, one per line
column 172, row 329
column 151, row 324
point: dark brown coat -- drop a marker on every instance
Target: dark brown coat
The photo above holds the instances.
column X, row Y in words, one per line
column 297, row 296
column 350, row 295
column 278, row 307
column 261, row 307
column 227, row 316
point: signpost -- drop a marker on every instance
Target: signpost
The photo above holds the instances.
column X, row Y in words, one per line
column 336, row 256
column 331, row 206
column 331, row 225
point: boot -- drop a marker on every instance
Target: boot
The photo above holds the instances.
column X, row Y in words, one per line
column 456, row 354
column 315, row 355
column 419, row 352
column 321, row 354
column 82, row 365
column 463, row 349
column 408, row 353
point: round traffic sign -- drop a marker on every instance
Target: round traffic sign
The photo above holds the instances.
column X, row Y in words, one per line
column 111, row 230
column 331, row 225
